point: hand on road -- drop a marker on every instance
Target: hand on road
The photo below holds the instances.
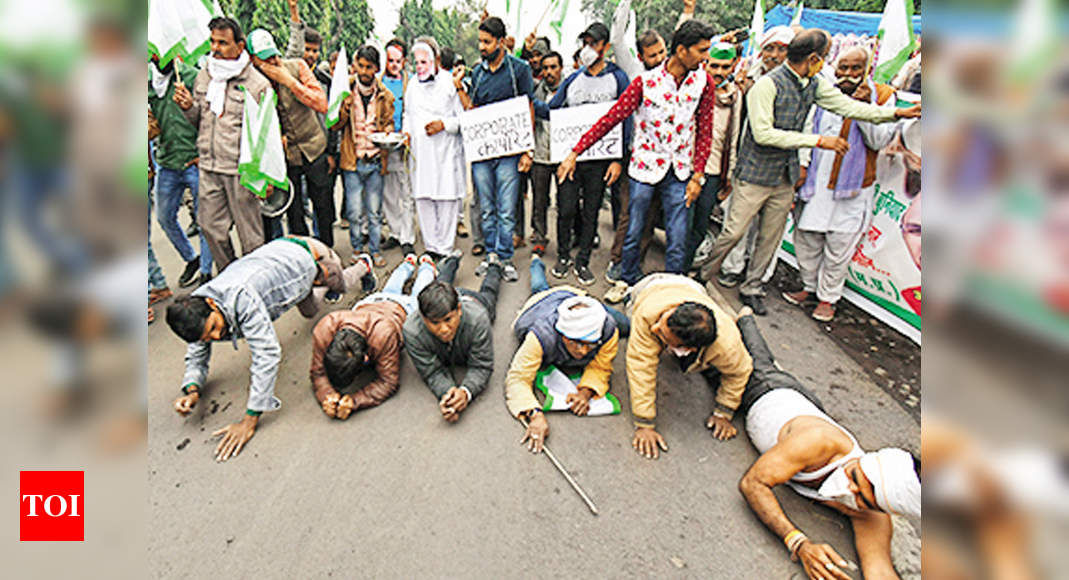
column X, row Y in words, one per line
column 580, row 402
column 345, row 406
column 646, row 442
column 234, row 438
column 722, row 428
column 184, row 404
column 330, row 404
column 453, row 402
column 537, row 431
column 821, row 562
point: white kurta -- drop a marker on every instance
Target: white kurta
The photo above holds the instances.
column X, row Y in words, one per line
column 438, row 160
column 823, row 213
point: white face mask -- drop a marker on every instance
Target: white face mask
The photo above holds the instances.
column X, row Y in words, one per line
column 681, row 351
column 588, row 56
column 837, row 488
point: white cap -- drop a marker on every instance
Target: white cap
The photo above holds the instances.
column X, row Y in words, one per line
column 781, row 34
column 580, row 318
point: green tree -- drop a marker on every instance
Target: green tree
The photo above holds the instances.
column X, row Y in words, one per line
column 338, row 21
column 453, row 27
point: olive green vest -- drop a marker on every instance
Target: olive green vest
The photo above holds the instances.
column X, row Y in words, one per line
column 300, row 123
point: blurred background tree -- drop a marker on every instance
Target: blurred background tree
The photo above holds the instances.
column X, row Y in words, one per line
column 339, row 21
column 455, row 27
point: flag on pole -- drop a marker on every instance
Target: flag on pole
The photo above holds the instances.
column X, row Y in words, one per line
column 1035, row 40
column 180, row 28
column 261, row 160
column 796, row 19
column 896, row 40
column 757, row 27
column 339, row 87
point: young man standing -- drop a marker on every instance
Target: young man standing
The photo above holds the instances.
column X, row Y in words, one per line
column 397, row 204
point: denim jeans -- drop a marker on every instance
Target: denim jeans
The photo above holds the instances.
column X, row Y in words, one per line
column 395, row 284
column 539, row 284
column 674, row 203
column 37, row 188
column 497, row 183
column 156, row 279
column 363, row 192
column 170, row 183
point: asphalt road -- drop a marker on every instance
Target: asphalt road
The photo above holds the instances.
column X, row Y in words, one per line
column 397, row 492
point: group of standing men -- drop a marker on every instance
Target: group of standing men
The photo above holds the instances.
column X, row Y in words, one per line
column 692, row 138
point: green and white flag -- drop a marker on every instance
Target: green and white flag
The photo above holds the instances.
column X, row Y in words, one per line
column 1034, row 46
column 339, row 87
column 897, row 42
column 796, row 19
column 180, row 28
column 261, row 161
column 757, row 26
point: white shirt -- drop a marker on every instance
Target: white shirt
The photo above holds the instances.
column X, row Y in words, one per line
column 438, row 160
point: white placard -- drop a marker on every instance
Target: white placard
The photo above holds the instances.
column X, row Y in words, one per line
column 498, row 129
column 567, row 126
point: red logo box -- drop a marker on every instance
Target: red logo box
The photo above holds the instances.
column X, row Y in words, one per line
column 51, row 506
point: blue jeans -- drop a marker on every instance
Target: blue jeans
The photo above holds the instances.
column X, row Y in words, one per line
column 674, row 203
column 363, row 192
column 36, row 188
column 156, row 279
column 539, row 284
column 396, row 283
column 170, row 183
column 497, row 183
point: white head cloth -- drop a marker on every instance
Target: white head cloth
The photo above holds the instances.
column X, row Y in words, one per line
column 898, row 490
column 781, row 34
column 580, row 318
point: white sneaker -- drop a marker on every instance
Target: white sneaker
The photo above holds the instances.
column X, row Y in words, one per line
column 617, row 293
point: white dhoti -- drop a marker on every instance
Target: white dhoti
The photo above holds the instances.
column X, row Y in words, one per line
column 438, row 224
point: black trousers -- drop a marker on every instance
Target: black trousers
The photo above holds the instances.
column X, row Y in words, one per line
column 541, row 176
column 488, row 291
column 580, row 199
column 317, row 174
column 766, row 377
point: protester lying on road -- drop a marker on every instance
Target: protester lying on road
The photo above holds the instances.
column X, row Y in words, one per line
column 454, row 327
column 566, row 328
column 673, row 312
column 803, row 447
column 346, row 341
column 242, row 302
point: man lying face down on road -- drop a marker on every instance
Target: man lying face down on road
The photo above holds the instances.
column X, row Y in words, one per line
column 242, row 302
column 566, row 328
column 347, row 341
column 804, row 448
column 454, row 327
column 674, row 313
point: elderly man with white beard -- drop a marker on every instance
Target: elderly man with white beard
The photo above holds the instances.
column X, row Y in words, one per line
column 836, row 190
column 431, row 122
column 803, row 447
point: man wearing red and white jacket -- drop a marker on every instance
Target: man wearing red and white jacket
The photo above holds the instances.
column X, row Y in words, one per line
column 673, row 108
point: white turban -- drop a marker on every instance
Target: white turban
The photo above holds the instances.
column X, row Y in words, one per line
column 781, row 34
column 898, row 490
column 580, row 318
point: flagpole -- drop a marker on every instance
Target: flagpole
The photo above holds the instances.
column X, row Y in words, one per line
column 571, row 481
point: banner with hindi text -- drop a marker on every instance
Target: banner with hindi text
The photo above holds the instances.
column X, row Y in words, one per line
column 498, row 129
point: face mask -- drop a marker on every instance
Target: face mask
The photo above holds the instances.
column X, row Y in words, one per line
column 816, row 68
column 837, row 488
column 424, row 70
column 588, row 56
column 681, row 351
column 493, row 55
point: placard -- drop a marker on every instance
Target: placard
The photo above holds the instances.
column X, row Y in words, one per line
column 498, row 129
column 567, row 126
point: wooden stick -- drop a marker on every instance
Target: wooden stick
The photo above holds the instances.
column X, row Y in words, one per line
column 567, row 476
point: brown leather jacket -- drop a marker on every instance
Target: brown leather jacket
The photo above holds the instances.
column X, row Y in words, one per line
column 380, row 324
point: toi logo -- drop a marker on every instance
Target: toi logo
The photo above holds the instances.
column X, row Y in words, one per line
column 51, row 506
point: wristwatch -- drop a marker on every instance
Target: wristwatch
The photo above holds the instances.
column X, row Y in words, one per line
column 530, row 413
column 701, row 178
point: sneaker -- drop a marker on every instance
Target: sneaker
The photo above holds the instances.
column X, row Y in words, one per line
column 462, row 230
column 342, row 224
column 614, row 272
column 378, row 260
column 478, row 250
column 362, row 257
column 824, row 311
column 407, row 249
column 618, row 292
column 193, row 230
column 332, row 297
column 427, row 259
column 539, row 249
column 390, row 243
column 456, row 253
column 189, row 275
column 582, row 272
column 728, row 280
column 796, row 298
column 597, row 240
column 560, row 270
column 508, row 272
column 158, row 294
column 411, row 259
column 204, row 278
column 756, row 302
column 743, row 313
column 480, row 270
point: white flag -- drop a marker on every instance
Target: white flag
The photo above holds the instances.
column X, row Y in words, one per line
column 897, row 42
column 180, row 28
column 261, row 160
column 757, row 26
column 796, row 19
column 339, row 87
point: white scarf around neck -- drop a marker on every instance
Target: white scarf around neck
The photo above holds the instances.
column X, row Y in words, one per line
column 220, row 72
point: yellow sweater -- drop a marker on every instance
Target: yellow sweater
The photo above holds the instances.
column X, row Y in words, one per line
column 655, row 295
column 519, row 382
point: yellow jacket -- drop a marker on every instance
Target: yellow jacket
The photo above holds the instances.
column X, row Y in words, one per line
column 652, row 297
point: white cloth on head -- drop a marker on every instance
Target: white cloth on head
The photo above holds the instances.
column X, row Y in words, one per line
column 781, row 34
column 221, row 71
column 160, row 81
column 580, row 318
column 897, row 487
